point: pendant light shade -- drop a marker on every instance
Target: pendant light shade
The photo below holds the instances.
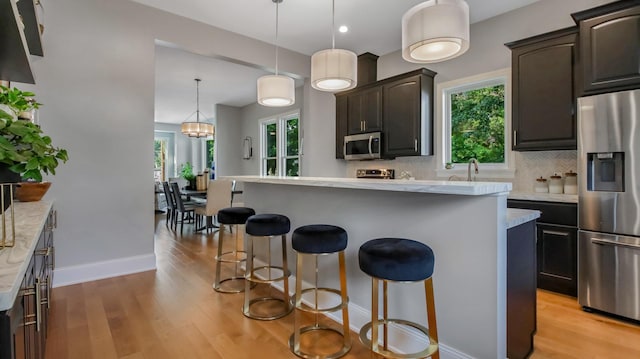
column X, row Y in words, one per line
column 435, row 30
column 276, row 90
column 334, row 69
column 197, row 129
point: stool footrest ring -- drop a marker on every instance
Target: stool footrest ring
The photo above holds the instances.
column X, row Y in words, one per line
column 250, row 276
column 307, row 308
column 344, row 350
column 427, row 352
column 234, row 254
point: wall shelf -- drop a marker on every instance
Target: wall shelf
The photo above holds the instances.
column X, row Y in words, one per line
column 15, row 64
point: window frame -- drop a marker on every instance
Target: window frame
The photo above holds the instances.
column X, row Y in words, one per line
column 281, row 142
column 443, row 125
column 170, row 137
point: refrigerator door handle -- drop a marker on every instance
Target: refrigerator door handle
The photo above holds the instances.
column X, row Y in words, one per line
column 613, row 243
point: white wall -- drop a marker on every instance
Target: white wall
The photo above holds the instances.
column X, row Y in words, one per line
column 228, row 140
column 96, row 82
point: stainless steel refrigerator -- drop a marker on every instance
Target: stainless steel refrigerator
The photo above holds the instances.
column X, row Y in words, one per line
column 609, row 203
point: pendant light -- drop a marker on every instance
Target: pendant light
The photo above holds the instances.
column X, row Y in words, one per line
column 197, row 129
column 276, row 90
column 435, row 30
column 334, row 69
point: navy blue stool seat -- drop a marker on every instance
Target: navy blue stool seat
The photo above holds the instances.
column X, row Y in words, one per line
column 319, row 238
column 316, row 240
column 235, row 215
column 268, row 224
column 232, row 216
column 265, row 226
column 398, row 260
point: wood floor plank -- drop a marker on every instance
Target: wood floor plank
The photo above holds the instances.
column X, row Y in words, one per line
column 173, row 313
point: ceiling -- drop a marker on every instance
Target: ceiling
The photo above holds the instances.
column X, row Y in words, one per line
column 304, row 26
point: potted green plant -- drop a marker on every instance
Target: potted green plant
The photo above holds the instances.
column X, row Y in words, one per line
column 186, row 172
column 26, row 153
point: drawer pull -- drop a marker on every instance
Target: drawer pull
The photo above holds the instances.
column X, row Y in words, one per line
column 613, row 243
column 555, row 233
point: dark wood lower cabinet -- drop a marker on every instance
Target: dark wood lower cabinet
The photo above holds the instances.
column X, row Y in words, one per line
column 521, row 290
column 557, row 233
column 23, row 327
column 557, row 261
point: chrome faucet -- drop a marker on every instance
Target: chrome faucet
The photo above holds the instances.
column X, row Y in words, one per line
column 475, row 165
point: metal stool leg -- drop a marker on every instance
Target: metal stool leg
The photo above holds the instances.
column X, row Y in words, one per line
column 247, row 277
column 374, row 314
column 346, row 330
column 431, row 313
column 285, row 270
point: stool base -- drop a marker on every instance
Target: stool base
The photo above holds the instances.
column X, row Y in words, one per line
column 297, row 351
column 220, row 286
column 427, row 352
column 234, row 257
column 249, row 314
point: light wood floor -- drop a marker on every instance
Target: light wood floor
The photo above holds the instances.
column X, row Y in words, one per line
column 174, row 313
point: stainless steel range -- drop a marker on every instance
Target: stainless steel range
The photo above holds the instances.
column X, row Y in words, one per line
column 609, row 203
column 383, row 173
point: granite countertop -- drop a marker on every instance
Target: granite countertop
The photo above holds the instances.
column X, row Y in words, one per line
column 400, row 185
column 516, row 216
column 546, row 197
column 30, row 220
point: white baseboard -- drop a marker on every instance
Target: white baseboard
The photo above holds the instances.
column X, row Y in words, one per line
column 101, row 270
column 359, row 316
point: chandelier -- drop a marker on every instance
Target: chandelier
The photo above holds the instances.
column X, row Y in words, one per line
column 197, row 129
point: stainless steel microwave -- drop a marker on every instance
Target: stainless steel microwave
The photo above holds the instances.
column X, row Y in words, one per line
column 364, row 146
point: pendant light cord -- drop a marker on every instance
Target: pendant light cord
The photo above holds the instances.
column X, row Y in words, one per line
column 197, row 100
column 277, row 3
column 333, row 24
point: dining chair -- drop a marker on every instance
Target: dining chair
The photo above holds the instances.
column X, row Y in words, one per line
column 218, row 197
column 186, row 211
column 171, row 204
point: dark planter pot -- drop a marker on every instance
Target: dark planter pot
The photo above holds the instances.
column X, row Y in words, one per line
column 8, row 176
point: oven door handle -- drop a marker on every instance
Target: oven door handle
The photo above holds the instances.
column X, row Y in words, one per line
column 613, row 243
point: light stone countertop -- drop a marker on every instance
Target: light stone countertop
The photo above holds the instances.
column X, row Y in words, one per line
column 516, row 216
column 399, row 185
column 546, row 197
column 30, row 220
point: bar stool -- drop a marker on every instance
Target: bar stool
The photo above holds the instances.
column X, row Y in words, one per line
column 398, row 260
column 312, row 241
column 232, row 216
column 265, row 226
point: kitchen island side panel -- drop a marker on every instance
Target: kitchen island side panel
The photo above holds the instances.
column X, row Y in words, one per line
column 466, row 233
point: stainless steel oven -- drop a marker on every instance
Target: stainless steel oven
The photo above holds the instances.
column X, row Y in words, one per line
column 364, row 146
column 609, row 203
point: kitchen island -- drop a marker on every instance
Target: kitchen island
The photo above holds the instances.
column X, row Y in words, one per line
column 465, row 223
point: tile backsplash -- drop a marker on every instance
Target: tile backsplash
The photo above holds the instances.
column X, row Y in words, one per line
column 532, row 165
column 529, row 166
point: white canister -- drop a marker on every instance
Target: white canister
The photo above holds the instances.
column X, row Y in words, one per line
column 541, row 185
column 555, row 184
column 571, row 183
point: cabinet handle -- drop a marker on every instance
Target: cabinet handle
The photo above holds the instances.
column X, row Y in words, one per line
column 614, row 243
column 55, row 219
column 555, row 233
column 38, row 303
column 515, row 138
column 415, row 145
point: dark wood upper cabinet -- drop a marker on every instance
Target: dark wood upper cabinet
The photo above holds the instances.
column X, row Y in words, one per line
column 406, row 102
column 544, row 96
column 364, row 111
column 610, row 47
column 401, row 107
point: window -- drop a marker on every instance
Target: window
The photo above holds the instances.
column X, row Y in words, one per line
column 280, row 149
column 164, row 159
column 475, row 123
